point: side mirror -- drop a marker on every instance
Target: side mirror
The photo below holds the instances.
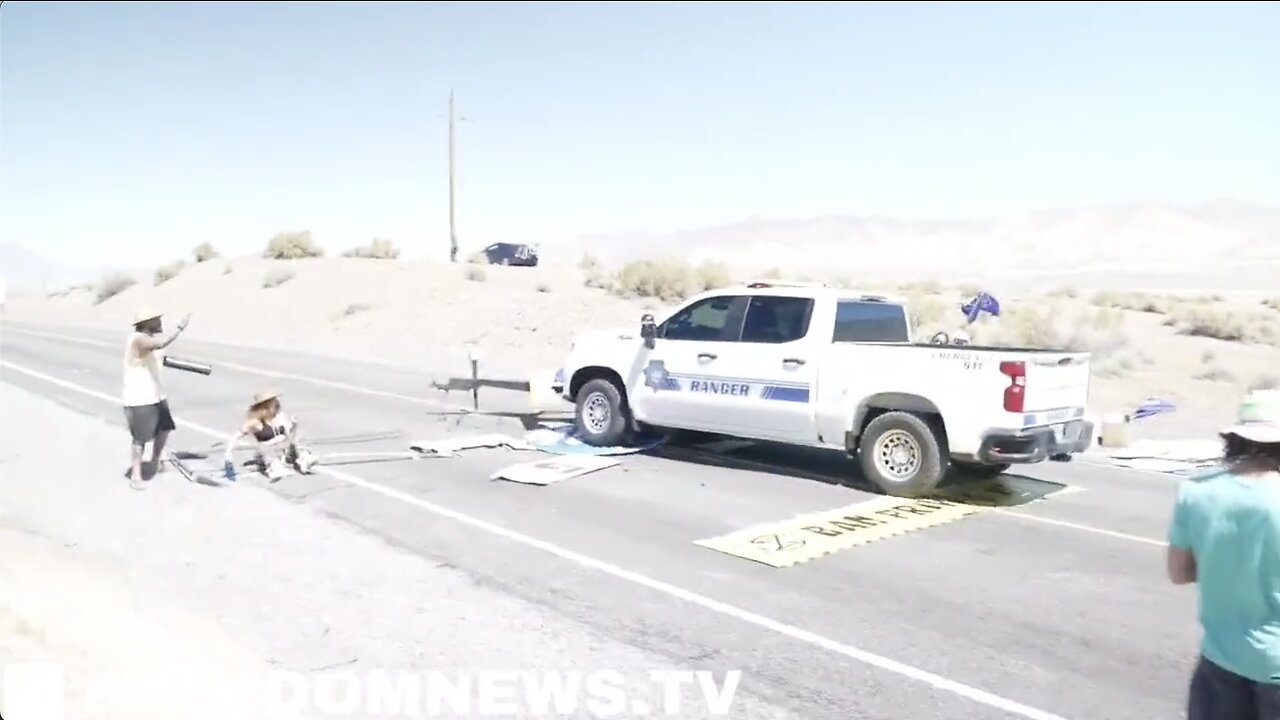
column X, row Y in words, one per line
column 648, row 331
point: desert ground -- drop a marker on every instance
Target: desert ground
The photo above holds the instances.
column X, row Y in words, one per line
column 1195, row 345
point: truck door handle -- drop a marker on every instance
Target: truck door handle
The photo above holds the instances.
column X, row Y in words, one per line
column 707, row 356
column 793, row 361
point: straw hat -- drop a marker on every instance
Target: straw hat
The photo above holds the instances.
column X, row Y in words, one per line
column 264, row 396
column 145, row 313
column 1258, row 419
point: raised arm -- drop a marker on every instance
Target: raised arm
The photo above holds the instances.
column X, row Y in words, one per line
column 146, row 343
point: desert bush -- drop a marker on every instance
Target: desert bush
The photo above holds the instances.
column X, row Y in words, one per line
column 355, row 308
column 969, row 290
column 588, row 262
column 204, row 252
column 165, row 273
column 1068, row 293
column 1100, row 333
column 476, row 274
column 1136, row 301
column 113, row 285
column 1266, row 381
column 277, row 277
column 597, row 279
column 379, row 249
column 228, row 269
column 543, row 288
column 1216, row 374
column 927, row 314
column 1273, row 303
column 1211, row 323
column 922, row 288
column 292, row 246
column 668, row 280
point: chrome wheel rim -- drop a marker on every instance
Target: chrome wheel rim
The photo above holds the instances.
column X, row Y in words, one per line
column 596, row 413
column 898, row 455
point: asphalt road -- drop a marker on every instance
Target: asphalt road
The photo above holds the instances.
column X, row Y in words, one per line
column 1054, row 610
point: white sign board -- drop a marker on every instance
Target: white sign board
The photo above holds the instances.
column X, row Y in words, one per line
column 554, row 470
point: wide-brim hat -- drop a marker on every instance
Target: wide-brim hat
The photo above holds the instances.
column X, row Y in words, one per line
column 1258, row 419
column 264, row 396
column 144, row 314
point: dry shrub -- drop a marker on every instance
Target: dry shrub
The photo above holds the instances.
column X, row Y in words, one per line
column 277, row 277
column 476, row 274
column 917, row 289
column 1266, row 381
column 1216, row 374
column 969, row 290
column 113, row 285
column 669, row 280
column 1097, row 331
column 1225, row 324
column 379, row 249
column 292, row 246
column 1273, row 303
column 597, row 279
column 588, row 262
column 1136, row 301
column 165, row 273
column 543, row 288
column 927, row 314
column 1068, row 293
column 355, row 308
column 203, row 252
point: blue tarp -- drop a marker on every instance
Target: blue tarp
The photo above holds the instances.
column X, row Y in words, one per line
column 983, row 302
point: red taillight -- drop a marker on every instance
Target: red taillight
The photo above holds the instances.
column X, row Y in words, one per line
column 1015, row 394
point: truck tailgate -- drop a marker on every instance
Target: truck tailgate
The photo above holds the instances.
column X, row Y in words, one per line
column 1056, row 381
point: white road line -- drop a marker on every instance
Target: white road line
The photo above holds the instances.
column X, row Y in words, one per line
column 761, row 465
column 1077, row 526
column 336, row 385
column 883, row 663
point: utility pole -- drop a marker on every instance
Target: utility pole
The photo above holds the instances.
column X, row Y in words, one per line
column 453, row 231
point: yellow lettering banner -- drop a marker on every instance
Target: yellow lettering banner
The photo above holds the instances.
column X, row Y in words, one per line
column 807, row 537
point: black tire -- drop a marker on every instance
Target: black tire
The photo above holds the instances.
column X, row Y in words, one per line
column 925, row 466
column 601, row 417
column 982, row 471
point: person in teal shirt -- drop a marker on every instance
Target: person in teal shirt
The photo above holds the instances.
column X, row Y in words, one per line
column 1225, row 538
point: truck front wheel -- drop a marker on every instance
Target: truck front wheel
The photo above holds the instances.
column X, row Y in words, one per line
column 901, row 454
column 601, row 417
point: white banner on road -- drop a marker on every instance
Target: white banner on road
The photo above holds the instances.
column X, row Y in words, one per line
column 554, row 470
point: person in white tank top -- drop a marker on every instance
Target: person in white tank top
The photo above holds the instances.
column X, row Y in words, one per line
column 146, row 407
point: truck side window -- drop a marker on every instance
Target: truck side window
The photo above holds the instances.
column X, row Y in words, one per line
column 775, row 319
column 715, row 319
column 860, row 321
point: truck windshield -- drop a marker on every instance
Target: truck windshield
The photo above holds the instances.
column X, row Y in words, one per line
column 861, row 321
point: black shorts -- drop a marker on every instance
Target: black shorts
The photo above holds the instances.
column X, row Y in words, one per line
column 1219, row 694
column 147, row 421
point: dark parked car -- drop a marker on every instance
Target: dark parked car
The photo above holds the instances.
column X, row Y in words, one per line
column 511, row 254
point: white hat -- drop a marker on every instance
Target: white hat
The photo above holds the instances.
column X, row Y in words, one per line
column 144, row 314
column 1259, row 417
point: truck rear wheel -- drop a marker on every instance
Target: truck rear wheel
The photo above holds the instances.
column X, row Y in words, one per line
column 601, row 418
column 901, row 454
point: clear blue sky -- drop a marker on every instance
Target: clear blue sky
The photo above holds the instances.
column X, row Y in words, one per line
column 130, row 132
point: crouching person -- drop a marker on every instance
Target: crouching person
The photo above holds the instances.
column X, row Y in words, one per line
column 275, row 436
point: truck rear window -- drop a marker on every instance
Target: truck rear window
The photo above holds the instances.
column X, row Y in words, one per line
column 860, row 321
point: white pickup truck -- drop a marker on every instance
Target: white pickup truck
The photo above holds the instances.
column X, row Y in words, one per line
column 824, row 367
